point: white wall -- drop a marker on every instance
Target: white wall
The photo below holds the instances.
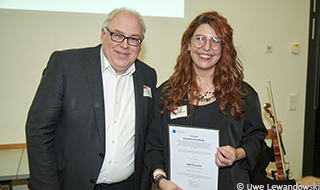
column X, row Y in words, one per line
column 29, row 37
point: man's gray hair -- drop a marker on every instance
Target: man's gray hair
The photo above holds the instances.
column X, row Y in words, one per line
column 116, row 11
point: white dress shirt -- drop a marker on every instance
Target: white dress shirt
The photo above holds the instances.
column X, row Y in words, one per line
column 119, row 103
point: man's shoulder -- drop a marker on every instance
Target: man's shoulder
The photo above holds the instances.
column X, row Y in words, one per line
column 79, row 50
column 145, row 72
column 142, row 65
column 77, row 54
column 144, row 69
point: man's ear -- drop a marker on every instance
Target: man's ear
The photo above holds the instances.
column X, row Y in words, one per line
column 103, row 32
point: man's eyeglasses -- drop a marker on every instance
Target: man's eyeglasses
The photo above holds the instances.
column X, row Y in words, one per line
column 200, row 40
column 119, row 38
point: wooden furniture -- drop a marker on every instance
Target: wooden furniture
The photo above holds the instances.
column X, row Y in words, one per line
column 14, row 169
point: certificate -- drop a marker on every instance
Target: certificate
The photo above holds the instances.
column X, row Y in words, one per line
column 192, row 157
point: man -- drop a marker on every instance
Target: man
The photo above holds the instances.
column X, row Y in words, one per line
column 87, row 124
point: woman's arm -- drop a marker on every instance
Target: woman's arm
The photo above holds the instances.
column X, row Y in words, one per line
column 227, row 155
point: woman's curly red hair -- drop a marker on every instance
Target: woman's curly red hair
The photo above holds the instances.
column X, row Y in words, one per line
column 227, row 77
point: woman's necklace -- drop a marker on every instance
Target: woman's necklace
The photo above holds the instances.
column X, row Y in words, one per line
column 206, row 96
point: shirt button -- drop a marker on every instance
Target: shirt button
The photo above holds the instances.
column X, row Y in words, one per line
column 110, row 162
column 112, row 141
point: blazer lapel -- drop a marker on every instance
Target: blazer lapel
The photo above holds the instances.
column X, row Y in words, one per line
column 138, row 92
column 93, row 69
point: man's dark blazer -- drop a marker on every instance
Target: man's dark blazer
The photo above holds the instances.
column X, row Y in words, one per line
column 65, row 128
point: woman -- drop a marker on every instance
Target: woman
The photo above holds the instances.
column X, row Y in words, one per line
column 208, row 79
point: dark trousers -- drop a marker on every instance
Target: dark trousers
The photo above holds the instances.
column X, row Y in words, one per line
column 128, row 184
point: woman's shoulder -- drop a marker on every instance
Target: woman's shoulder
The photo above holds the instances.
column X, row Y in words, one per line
column 249, row 92
column 247, row 88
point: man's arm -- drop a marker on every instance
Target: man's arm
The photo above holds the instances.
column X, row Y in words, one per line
column 41, row 124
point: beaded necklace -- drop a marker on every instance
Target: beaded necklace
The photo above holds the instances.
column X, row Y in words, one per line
column 206, row 96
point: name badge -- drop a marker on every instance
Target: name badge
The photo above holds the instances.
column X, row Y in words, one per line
column 178, row 112
column 147, row 91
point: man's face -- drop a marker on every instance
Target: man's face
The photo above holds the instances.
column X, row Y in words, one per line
column 121, row 55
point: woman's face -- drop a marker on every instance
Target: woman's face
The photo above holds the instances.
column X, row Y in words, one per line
column 205, row 48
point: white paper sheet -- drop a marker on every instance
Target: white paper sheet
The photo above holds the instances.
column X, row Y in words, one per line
column 192, row 157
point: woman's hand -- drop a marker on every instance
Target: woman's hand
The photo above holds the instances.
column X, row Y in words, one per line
column 227, row 155
column 165, row 184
